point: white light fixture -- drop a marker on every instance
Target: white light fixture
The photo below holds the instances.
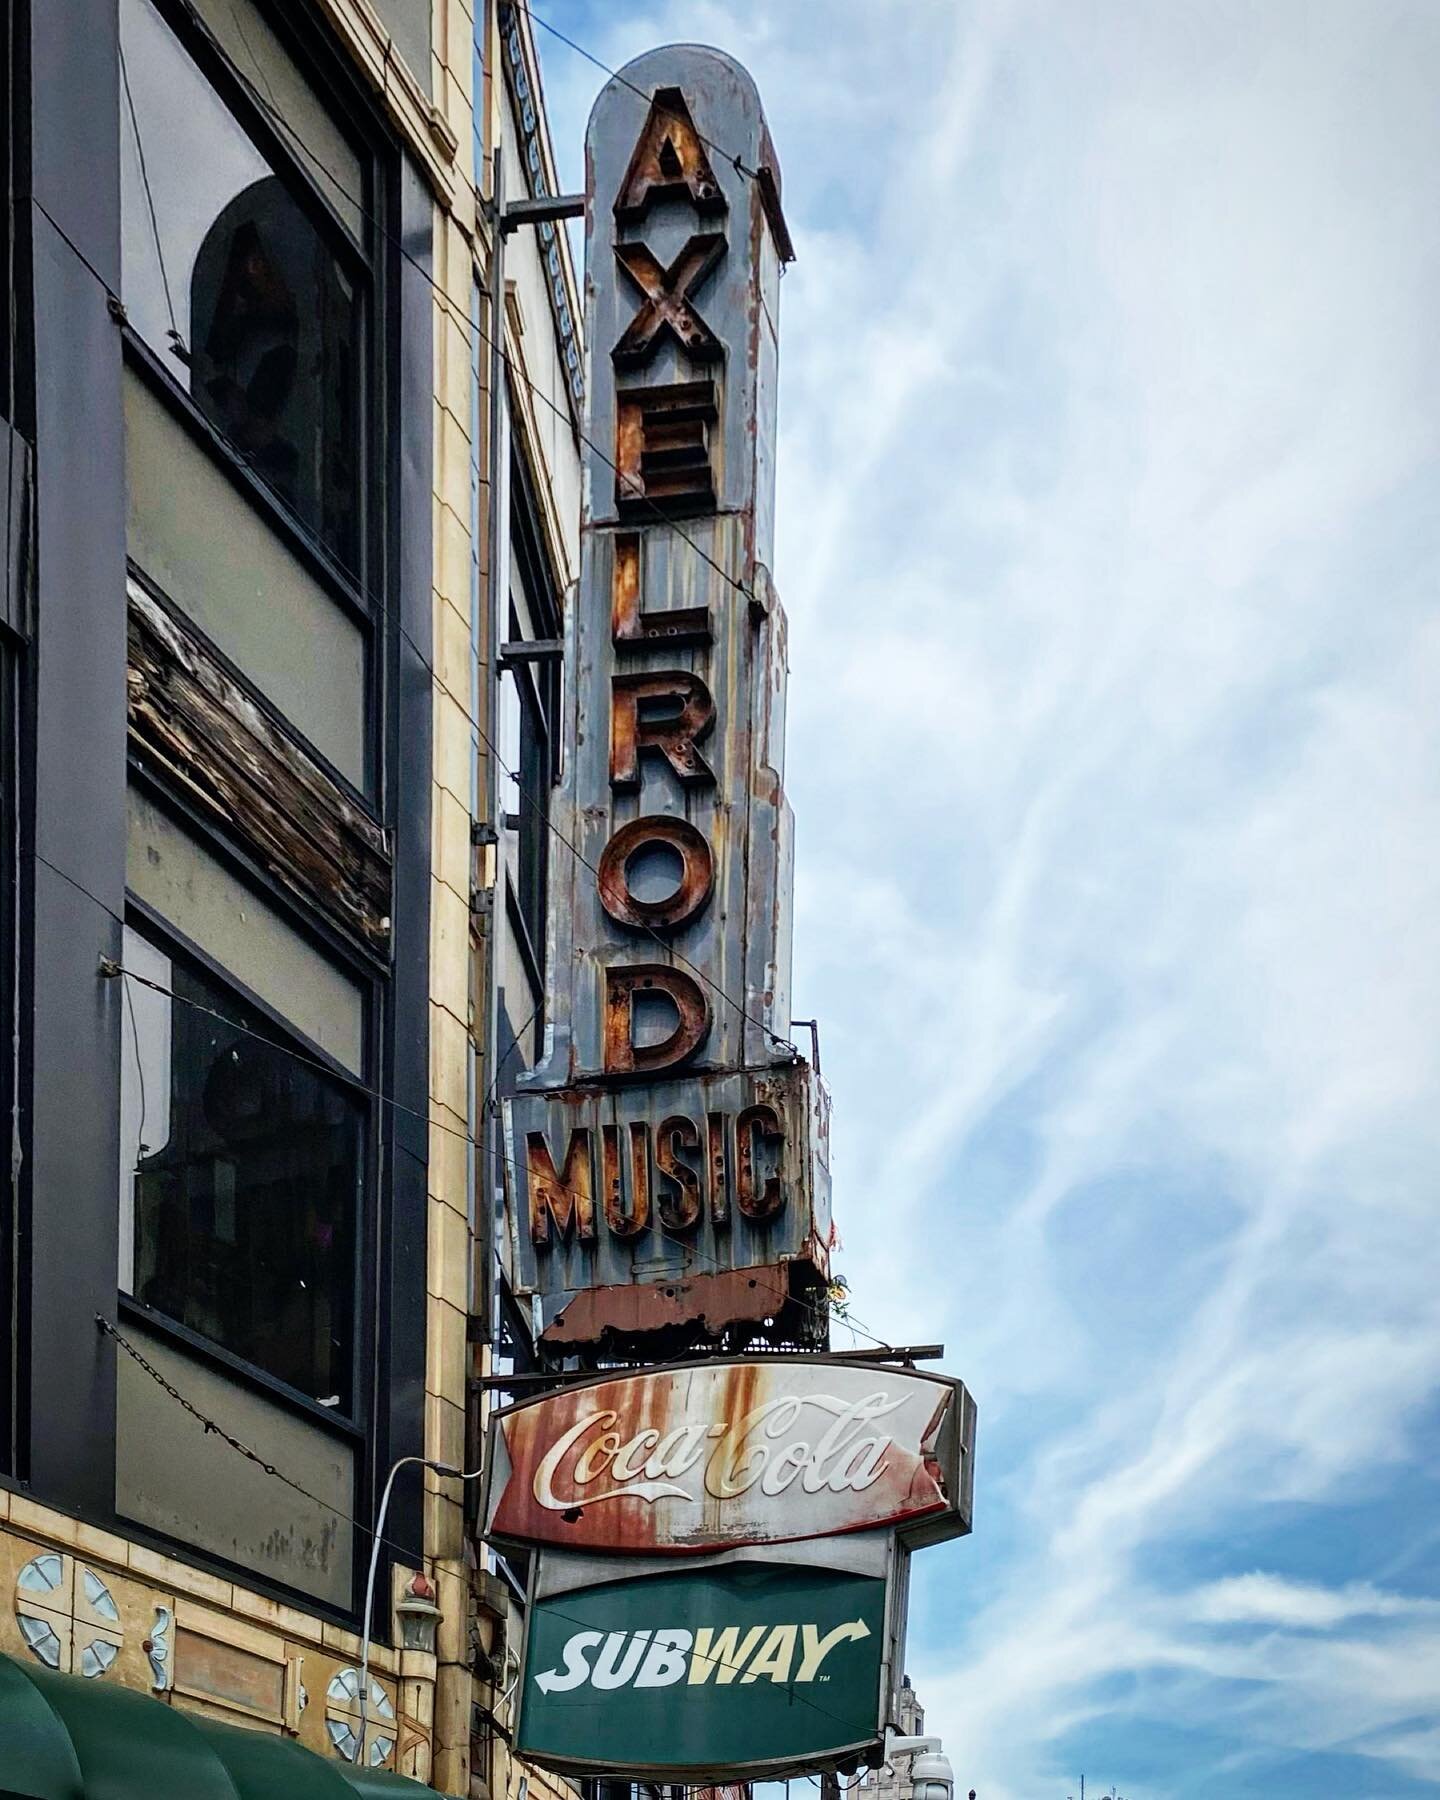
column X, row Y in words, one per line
column 931, row 1776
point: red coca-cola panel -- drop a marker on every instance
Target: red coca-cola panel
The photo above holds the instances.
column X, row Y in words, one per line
column 710, row 1455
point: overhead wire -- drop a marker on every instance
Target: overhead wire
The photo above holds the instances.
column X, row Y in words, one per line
column 115, row 970
column 465, row 321
column 733, row 159
column 177, row 343
column 213, row 1428
column 469, row 326
column 494, row 751
column 389, row 1100
column 490, row 745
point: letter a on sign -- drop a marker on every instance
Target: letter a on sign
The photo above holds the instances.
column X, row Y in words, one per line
column 669, row 163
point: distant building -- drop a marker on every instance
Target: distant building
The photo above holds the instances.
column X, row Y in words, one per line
column 894, row 1782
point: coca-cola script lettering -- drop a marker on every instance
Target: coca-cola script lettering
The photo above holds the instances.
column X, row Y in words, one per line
column 725, row 1453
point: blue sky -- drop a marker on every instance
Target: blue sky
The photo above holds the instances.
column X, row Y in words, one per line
column 1109, row 536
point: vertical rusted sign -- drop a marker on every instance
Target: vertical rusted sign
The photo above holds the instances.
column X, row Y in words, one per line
column 666, row 1161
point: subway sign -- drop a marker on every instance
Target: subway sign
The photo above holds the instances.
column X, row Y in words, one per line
column 718, row 1454
column 737, row 1669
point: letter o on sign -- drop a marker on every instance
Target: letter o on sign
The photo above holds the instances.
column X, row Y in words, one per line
column 697, row 873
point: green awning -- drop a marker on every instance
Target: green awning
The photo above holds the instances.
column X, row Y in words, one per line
column 62, row 1738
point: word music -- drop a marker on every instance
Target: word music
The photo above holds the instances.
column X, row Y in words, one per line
column 685, row 1158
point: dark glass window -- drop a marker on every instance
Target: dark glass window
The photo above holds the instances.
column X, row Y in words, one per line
column 242, row 1166
column 9, row 1091
column 239, row 278
column 529, row 715
column 525, row 748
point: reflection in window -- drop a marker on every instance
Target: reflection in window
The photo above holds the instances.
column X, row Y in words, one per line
column 240, row 1169
column 219, row 253
column 525, row 748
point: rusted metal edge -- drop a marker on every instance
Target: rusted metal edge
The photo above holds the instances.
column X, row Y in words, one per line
column 774, row 213
column 628, row 1310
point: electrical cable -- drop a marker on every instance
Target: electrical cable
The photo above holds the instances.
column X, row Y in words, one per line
column 213, row 1428
column 376, row 1532
column 455, row 1131
column 140, row 1145
column 377, row 1094
column 649, row 99
column 110, row 969
column 550, row 825
column 177, row 343
column 470, row 327
column 475, row 725
column 113, row 969
column 440, row 1468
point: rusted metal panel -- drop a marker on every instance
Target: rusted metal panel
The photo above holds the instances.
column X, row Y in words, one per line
column 192, row 722
column 712, row 1456
column 669, row 1089
column 704, row 1200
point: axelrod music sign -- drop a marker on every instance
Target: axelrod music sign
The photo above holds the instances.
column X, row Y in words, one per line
column 769, row 1451
column 666, row 1161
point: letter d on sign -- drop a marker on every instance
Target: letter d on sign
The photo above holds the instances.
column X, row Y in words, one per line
column 623, row 1056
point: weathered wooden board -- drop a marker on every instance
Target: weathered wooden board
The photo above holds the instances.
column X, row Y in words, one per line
column 203, row 732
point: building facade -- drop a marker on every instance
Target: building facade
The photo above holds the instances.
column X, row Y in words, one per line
column 895, row 1780
column 287, row 547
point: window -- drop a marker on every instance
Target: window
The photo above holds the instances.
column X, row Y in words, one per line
column 241, row 1169
column 525, row 749
column 10, row 867
column 529, row 718
column 242, row 271
column 14, row 619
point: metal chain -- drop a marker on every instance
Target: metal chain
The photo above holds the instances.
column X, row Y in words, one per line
column 213, row 1428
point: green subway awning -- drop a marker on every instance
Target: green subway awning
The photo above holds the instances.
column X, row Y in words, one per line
column 62, row 1738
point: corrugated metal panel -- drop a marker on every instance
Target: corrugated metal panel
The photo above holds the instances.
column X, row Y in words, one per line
column 676, row 669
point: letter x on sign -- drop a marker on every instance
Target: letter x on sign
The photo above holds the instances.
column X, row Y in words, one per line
column 667, row 305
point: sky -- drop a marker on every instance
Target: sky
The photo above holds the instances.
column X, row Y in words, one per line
column 1109, row 538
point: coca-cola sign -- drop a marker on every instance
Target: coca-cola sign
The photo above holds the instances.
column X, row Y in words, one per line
column 716, row 1454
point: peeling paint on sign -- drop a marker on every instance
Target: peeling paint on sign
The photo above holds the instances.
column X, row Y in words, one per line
column 721, row 1454
column 672, row 1131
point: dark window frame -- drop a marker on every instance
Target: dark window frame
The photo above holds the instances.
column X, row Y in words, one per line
column 160, row 931
column 14, row 889
column 539, row 688
column 16, row 734
column 369, row 597
column 364, row 595
column 75, row 876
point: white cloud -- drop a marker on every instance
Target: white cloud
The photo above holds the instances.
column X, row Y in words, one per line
column 1110, row 433
column 1261, row 1599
